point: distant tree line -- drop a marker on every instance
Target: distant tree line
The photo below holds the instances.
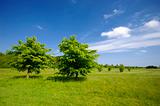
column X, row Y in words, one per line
column 152, row 67
column 118, row 65
column 5, row 58
column 121, row 67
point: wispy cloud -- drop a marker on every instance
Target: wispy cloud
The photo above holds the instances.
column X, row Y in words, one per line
column 140, row 17
column 87, row 34
column 39, row 27
column 143, row 51
column 148, row 36
column 114, row 13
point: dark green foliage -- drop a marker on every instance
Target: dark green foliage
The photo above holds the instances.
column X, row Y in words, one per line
column 5, row 59
column 129, row 69
column 1, row 54
column 30, row 56
column 100, row 67
column 121, row 68
column 109, row 68
column 77, row 58
column 117, row 66
column 106, row 65
column 151, row 67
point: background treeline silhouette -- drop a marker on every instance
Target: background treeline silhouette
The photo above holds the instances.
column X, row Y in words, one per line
column 6, row 57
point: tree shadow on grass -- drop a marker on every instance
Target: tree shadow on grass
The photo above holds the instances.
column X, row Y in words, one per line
column 66, row 79
column 24, row 77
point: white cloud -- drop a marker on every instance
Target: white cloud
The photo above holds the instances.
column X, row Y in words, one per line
column 118, row 32
column 114, row 13
column 152, row 24
column 145, row 38
column 106, row 16
column 125, row 44
column 143, row 51
column 39, row 27
column 148, row 27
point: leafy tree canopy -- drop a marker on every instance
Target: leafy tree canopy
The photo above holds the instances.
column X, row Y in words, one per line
column 30, row 56
column 77, row 58
column 121, row 67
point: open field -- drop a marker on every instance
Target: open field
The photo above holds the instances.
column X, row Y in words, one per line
column 135, row 88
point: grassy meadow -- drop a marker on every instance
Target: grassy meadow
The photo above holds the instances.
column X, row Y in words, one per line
column 140, row 87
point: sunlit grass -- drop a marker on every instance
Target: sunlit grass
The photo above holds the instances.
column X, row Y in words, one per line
column 136, row 88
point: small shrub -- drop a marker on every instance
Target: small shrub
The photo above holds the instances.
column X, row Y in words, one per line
column 100, row 69
column 129, row 69
column 109, row 68
column 121, row 68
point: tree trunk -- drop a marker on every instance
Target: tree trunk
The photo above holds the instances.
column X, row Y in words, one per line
column 27, row 74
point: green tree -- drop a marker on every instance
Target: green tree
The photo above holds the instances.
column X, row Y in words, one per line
column 121, row 68
column 129, row 69
column 1, row 54
column 30, row 56
column 100, row 67
column 77, row 58
column 109, row 68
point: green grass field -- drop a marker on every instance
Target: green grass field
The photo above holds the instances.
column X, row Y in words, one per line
column 135, row 88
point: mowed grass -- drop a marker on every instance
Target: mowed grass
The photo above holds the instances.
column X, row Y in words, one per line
column 135, row 88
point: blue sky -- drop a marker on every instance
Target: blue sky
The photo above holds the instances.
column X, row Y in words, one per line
column 123, row 31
